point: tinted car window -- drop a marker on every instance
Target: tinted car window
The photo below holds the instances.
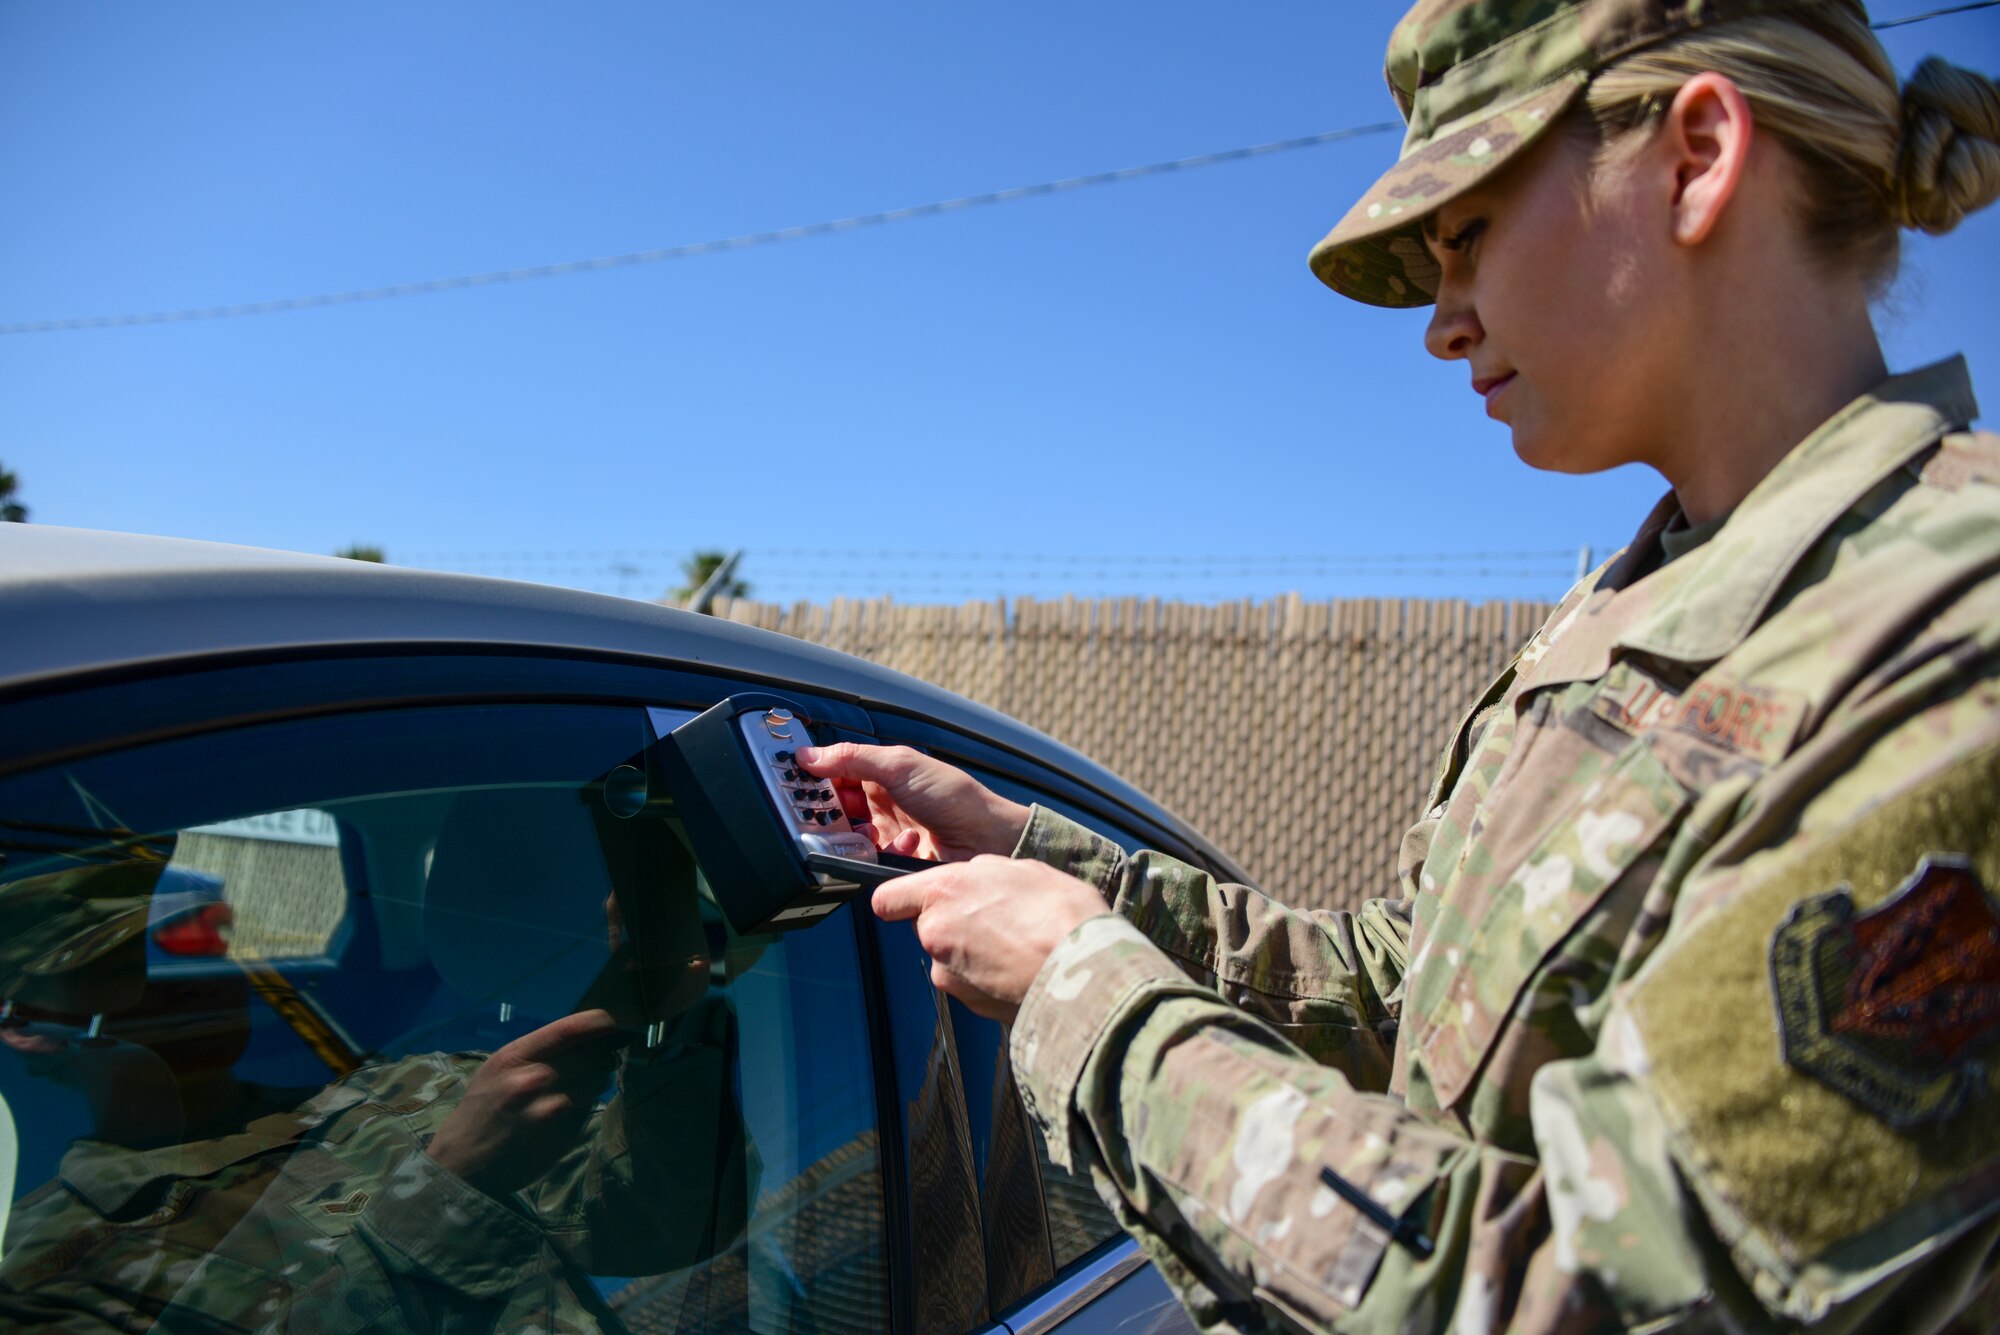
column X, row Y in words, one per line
column 253, row 984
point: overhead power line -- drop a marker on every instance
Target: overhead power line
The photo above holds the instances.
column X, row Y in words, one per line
column 688, row 251
column 1934, row 14
column 562, row 268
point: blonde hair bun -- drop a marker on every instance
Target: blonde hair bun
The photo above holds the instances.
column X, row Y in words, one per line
column 1948, row 164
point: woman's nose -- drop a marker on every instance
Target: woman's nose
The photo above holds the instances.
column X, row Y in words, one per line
column 1454, row 330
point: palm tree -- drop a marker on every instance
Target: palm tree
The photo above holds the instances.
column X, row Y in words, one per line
column 697, row 569
column 11, row 510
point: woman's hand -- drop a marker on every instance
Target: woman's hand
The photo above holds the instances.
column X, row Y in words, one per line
column 989, row 924
column 917, row 806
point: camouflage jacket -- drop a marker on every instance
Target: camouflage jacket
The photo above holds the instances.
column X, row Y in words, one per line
column 330, row 1217
column 1679, row 1021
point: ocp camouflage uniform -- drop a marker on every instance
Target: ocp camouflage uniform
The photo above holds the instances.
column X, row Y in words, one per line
column 330, row 1216
column 1686, row 1017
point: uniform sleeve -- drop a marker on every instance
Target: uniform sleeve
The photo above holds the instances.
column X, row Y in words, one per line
column 1330, row 982
column 1273, row 1195
column 1206, row 1132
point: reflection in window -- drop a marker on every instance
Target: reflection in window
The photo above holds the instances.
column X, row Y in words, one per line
column 252, row 983
column 1078, row 1221
column 286, row 892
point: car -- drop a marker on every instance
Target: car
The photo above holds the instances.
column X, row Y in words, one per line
column 365, row 817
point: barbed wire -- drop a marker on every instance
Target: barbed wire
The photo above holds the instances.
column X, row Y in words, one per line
column 565, row 267
column 1546, row 588
column 989, row 579
column 1137, row 559
column 784, row 575
column 789, row 574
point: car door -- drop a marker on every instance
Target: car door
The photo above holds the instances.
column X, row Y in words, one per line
column 419, row 860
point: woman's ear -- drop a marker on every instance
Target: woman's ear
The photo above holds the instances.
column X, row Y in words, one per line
column 1706, row 138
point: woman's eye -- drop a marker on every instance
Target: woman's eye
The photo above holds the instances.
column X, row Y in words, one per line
column 1462, row 239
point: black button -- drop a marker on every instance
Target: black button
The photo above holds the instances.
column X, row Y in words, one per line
column 783, row 757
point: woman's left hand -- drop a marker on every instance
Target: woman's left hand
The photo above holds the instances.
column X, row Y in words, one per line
column 989, row 924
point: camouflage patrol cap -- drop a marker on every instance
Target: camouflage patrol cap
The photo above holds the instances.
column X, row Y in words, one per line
column 55, row 927
column 1478, row 81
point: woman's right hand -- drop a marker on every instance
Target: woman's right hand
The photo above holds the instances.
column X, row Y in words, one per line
column 917, row 806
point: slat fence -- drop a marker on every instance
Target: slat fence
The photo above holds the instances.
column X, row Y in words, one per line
column 1300, row 736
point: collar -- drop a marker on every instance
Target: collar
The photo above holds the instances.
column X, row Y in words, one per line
column 1784, row 517
column 110, row 1177
column 1696, row 610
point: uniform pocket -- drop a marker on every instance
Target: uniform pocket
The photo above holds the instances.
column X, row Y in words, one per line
column 1581, row 853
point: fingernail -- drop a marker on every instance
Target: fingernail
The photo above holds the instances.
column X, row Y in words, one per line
column 809, row 754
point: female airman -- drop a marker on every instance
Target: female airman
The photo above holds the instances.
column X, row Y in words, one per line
column 1687, row 1015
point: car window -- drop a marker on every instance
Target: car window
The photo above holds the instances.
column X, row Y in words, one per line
column 252, row 989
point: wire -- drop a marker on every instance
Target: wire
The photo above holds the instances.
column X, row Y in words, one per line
column 826, row 572
column 781, row 576
column 676, row 554
column 991, row 578
column 566, row 267
column 1369, row 558
column 1934, row 14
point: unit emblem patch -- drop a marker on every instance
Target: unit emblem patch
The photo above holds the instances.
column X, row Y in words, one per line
column 1892, row 1007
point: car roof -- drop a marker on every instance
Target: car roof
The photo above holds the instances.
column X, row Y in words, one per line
column 77, row 601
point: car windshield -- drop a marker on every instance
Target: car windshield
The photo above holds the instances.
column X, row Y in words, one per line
column 427, row 1013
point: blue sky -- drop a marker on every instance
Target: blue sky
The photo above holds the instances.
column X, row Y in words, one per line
column 1144, row 370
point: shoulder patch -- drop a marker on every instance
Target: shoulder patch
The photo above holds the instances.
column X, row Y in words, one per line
column 1891, row 1007
column 1817, row 1192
